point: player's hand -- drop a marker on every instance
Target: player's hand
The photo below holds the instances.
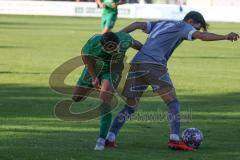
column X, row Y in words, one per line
column 232, row 36
column 114, row 5
column 96, row 82
column 100, row 5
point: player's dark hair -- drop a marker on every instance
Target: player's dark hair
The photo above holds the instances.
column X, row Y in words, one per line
column 197, row 18
column 109, row 37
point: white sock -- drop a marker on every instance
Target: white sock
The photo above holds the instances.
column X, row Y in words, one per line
column 101, row 140
column 111, row 136
column 174, row 137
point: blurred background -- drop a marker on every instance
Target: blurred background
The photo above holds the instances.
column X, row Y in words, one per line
column 213, row 10
column 184, row 2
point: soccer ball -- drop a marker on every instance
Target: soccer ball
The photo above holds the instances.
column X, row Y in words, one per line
column 193, row 137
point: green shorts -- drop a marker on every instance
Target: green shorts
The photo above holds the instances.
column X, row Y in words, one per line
column 85, row 79
column 108, row 20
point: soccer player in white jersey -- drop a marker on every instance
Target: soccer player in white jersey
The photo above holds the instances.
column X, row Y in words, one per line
column 149, row 67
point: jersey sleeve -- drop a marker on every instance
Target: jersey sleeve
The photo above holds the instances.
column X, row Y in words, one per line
column 108, row 4
column 86, row 50
column 130, row 38
column 126, row 37
column 187, row 32
column 150, row 26
column 88, row 47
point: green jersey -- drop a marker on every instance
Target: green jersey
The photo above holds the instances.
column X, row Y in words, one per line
column 108, row 7
column 103, row 59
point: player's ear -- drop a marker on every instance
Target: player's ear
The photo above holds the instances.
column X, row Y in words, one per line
column 190, row 21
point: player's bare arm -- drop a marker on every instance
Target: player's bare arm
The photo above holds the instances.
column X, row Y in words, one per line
column 100, row 4
column 90, row 63
column 115, row 5
column 137, row 45
column 206, row 36
column 121, row 2
column 134, row 26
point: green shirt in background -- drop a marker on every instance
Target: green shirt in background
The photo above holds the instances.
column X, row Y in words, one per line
column 108, row 7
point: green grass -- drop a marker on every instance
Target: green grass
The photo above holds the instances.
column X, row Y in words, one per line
column 206, row 75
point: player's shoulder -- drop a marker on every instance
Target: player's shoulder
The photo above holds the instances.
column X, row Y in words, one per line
column 171, row 22
column 124, row 36
column 92, row 44
column 162, row 23
column 95, row 39
column 184, row 24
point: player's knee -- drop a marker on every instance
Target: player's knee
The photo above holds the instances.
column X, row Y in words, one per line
column 106, row 97
column 168, row 98
column 77, row 98
column 173, row 100
column 105, row 108
column 132, row 102
column 105, row 100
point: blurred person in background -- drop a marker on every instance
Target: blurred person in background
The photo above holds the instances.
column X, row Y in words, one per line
column 109, row 14
column 181, row 3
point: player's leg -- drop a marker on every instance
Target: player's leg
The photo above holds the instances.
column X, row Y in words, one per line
column 172, row 102
column 162, row 84
column 133, row 90
column 168, row 95
column 106, row 95
column 109, row 22
column 83, row 87
column 103, row 23
column 120, row 120
column 80, row 93
column 105, row 30
column 167, row 92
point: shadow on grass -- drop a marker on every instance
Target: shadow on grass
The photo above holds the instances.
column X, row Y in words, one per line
column 10, row 47
column 46, row 22
column 20, row 100
column 52, row 28
column 46, row 26
column 14, row 23
column 134, row 142
column 9, row 72
column 30, row 131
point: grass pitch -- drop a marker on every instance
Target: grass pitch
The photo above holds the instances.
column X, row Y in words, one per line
column 206, row 76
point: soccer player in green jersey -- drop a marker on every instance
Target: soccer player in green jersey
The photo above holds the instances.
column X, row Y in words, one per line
column 99, row 54
column 109, row 14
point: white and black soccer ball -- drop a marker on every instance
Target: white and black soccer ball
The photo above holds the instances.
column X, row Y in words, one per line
column 193, row 137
